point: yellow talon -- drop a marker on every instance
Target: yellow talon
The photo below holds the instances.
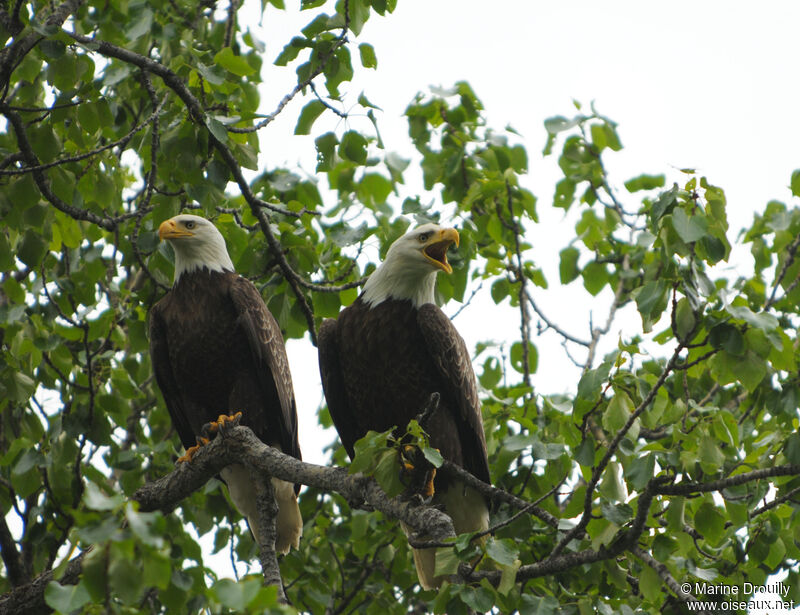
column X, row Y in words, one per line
column 187, row 456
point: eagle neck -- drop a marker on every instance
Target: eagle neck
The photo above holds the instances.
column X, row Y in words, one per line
column 399, row 283
column 211, row 257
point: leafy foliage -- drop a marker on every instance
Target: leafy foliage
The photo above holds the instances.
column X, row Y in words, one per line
column 674, row 458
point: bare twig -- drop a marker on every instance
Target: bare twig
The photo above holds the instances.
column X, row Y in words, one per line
column 551, row 325
column 791, row 253
column 341, row 40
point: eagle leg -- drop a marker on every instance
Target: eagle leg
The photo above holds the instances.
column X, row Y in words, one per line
column 190, row 452
column 417, row 473
column 223, row 423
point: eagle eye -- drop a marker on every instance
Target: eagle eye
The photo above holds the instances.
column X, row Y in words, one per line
column 190, row 224
column 423, row 237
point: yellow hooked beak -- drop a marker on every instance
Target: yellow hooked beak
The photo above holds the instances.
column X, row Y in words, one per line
column 170, row 230
column 436, row 250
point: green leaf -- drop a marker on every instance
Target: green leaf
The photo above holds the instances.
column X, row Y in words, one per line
column 595, row 277
column 142, row 25
column 664, row 202
column 795, row 183
column 508, row 577
column 729, row 338
column 650, row 583
column 66, row 598
column 387, row 473
column 538, row 605
column 145, row 525
column 591, row 381
column 32, row 249
column 292, row 50
column 233, row 63
column 645, row 182
column 611, row 485
column 480, row 599
column 749, row 369
column 308, row 116
column 676, row 512
column 504, row 551
column 764, row 321
column 684, row 318
column 518, row 358
column 568, row 265
column 433, row 456
column 95, row 499
column 353, row 147
column 689, row 228
column 641, row 471
column 217, row 129
column 710, row 454
column 236, row 596
column 710, row 522
column 618, row 514
column 368, row 57
column 618, row 412
column 558, row 123
column 326, row 151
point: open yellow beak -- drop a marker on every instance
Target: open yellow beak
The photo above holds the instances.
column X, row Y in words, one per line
column 170, row 230
column 436, row 250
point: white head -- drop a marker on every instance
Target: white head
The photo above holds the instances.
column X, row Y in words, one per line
column 197, row 244
column 410, row 267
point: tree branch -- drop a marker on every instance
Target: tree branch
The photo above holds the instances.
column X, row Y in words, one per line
column 267, row 516
column 17, row 574
column 12, row 55
column 612, row 449
column 41, row 179
column 663, row 572
column 725, row 483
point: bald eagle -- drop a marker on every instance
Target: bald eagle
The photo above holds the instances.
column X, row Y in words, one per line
column 216, row 350
column 387, row 353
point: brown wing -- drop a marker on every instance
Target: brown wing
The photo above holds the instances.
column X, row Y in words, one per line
column 269, row 356
column 333, row 385
column 159, row 357
column 450, row 355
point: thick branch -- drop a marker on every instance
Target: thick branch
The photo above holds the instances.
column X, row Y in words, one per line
column 240, row 445
column 267, row 515
column 41, row 179
column 29, row 599
column 13, row 54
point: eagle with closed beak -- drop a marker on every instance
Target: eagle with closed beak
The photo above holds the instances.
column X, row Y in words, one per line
column 217, row 350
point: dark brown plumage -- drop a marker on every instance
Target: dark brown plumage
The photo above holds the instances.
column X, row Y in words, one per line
column 387, row 353
column 217, row 350
column 380, row 366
